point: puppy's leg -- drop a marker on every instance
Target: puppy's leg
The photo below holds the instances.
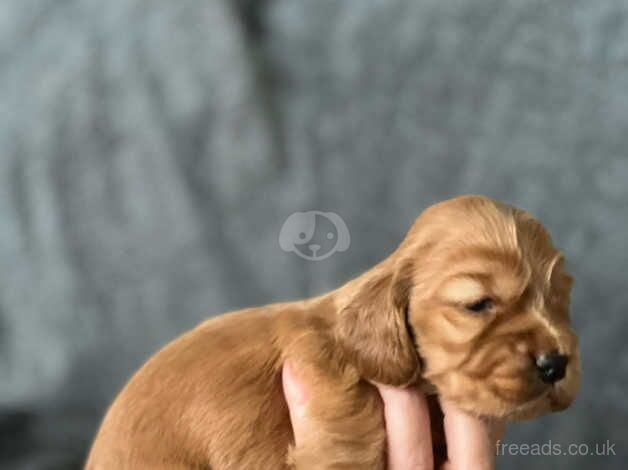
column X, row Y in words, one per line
column 345, row 426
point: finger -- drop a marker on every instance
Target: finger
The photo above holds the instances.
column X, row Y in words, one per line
column 296, row 397
column 470, row 440
column 407, row 429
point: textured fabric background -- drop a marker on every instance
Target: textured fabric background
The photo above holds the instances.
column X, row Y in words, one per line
column 151, row 150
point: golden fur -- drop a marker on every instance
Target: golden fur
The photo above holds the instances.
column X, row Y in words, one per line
column 212, row 399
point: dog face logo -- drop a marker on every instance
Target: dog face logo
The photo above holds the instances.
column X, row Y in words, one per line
column 314, row 235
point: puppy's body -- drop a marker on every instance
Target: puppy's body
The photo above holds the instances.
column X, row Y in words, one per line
column 206, row 400
column 212, row 399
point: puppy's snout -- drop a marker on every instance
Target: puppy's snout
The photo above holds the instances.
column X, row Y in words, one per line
column 551, row 366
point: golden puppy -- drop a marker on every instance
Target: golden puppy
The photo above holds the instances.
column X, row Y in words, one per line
column 473, row 305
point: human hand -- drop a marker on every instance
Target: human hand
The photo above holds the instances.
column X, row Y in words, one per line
column 470, row 440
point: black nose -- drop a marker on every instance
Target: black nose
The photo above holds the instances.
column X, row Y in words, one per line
column 551, row 366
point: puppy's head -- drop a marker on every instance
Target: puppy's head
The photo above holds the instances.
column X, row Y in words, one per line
column 476, row 301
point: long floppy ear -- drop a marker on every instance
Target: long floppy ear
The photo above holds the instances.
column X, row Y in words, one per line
column 372, row 328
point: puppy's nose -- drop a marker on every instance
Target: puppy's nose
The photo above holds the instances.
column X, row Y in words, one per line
column 551, row 366
column 314, row 247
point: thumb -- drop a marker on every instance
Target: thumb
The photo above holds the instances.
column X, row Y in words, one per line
column 297, row 398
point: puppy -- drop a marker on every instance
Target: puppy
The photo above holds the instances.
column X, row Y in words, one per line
column 472, row 306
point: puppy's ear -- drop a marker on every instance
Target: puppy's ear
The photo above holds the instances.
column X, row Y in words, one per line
column 373, row 329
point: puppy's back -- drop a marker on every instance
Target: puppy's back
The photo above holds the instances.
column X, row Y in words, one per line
column 210, row 399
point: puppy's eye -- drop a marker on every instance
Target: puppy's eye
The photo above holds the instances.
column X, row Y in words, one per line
column 481, row 305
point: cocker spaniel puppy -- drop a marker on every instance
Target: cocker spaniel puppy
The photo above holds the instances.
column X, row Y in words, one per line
column 472, row 306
